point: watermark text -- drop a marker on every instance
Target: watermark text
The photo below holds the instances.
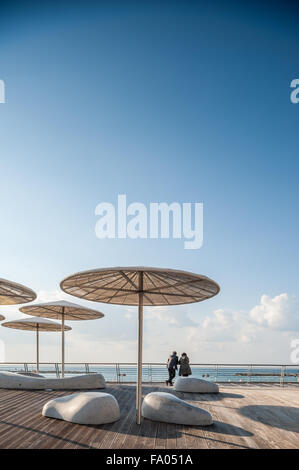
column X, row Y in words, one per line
column 159, row 220
column 2, row 91
column 294, row 357
column 295, row 93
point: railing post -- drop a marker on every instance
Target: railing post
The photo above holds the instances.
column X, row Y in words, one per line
column 216, row 372
column 282, row 375
column 87, row 368
column 249, row 373
column 25, row 367
column 57, row 370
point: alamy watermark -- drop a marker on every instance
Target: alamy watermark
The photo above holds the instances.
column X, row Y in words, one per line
column 2, row 351
column 294, row 96
column 2, row 91
column 159, row 220
column 294, row 356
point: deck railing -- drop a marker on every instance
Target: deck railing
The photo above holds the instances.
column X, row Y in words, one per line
column 157, row 372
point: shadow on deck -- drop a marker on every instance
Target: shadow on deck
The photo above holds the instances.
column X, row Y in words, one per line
column 244, row 417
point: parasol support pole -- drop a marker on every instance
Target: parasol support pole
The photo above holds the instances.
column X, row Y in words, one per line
column 37, row 350
column 62, row 343
column 140, row 333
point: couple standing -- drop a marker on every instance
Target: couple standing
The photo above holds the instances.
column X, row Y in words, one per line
column 172, row 366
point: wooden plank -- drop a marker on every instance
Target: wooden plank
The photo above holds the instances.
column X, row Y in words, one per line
column 18, row 424
column 124, row 397
column 147, row 435
column 224, row 433
column 134, row 437
column 161, row 437
column 254, row 416
column 171, row 433
column 266, row 424
column 127, row 418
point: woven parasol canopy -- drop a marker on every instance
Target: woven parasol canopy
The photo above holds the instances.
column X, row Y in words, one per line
column 140, row 286
column 56, row 310
column 2, row 318
column 121, row 286
column 12, row 293
column 62, row 310
column 35, row 324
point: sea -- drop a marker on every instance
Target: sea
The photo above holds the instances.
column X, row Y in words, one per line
column 159, row 373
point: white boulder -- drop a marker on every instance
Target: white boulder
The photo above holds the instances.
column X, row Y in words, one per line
column 191, row 384
column 14, row 380
column 165, row 407
column 84, row 408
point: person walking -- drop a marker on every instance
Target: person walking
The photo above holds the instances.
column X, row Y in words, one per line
column 172, row 366
column 185, row 368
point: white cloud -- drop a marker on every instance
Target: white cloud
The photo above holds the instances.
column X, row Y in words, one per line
column 228, row 325
column 224, row 335
column 52, row 296
column 172, row 316
column 90, row 348
column 280, row 312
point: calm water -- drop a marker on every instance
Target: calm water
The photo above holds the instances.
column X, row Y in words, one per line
column 160, row 374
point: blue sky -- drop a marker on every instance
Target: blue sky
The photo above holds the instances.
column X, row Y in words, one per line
column 161, row 101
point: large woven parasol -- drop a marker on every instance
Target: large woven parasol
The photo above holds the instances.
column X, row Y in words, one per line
column 140, row 286
column 2, row 318
column 12, row 293
column 62, row 310
column 35, row 324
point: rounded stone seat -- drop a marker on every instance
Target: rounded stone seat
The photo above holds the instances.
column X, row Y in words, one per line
column 167, row 408
column 84, row 408
column 12, row 380
column 194, row 385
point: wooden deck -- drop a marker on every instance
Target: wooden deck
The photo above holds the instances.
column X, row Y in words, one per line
column 244, row 417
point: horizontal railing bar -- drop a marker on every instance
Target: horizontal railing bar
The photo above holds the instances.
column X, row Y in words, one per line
column 126, row 372
column 156, row 364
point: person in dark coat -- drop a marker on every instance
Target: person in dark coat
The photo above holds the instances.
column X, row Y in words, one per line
column 172, row 366
column 185, row 368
